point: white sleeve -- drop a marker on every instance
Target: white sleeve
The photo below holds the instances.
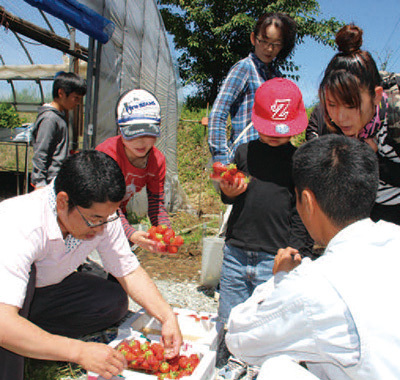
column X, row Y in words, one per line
column 294, row 315
column 115, row 252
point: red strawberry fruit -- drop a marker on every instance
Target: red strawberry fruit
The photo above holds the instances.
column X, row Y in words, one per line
column 219, row 168
column 161, row 229
column 232, row 168
column 227, row 176
column 169, row 233
column 178, row 241
column 164, row 367
column 172, row 249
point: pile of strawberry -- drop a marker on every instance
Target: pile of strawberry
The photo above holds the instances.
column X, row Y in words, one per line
column 165, row 238
column 228, row 173
column 150, row 358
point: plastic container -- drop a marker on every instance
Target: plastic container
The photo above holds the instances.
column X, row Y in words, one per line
column 211, row 260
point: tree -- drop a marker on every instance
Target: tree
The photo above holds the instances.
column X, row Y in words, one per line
column 211, row 35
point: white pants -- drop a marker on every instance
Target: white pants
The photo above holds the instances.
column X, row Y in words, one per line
column 284, row 368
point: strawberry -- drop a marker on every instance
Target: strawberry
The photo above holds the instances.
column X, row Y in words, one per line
column 158, row 237
column 161, row 229
column 158, row 350
column 134, row 344
column 169, row 233
column 219, row 168
column 152, row 232
column 144, row 346
column 139, row 360
column 161, row 246
column 185, row 372
column 184, row 362
column 215, row 176
column 240, row 177
column 172, row 249
column 130, row 356
column 174, row 364
column 194, row 360
column 164, row 367
column 154, row 363
column 145, row 365
column 232, row 169
column 227, row 177
column 178, row 240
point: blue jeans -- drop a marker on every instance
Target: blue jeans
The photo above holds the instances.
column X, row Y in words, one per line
column 241, row 272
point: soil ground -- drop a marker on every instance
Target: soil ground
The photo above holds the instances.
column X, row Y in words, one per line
column 184, row 266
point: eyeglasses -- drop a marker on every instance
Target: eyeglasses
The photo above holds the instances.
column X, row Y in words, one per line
column 90, row 224
column 266, row 43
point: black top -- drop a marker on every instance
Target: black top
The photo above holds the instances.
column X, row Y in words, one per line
column 264, row 217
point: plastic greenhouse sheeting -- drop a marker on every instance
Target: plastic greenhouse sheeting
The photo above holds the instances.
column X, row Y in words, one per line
column 138, row 56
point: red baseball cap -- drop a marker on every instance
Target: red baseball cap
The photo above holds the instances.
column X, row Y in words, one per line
column 278, row 109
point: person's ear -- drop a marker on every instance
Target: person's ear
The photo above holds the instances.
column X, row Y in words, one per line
column 253, row 38
column 308, row 198
column 61, row 93
column 378, row 95
column 62, row 201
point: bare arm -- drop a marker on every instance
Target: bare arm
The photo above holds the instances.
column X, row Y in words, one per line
column 19, row 335
column 139, row 286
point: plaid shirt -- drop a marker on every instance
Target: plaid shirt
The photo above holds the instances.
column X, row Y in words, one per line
column 236, row 98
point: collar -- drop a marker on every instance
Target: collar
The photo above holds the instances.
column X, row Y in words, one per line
column 265, row 70
column 372, row 128
column 70, row 242
column 349, row 233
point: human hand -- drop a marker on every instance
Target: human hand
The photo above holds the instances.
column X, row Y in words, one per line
column 171, row 337
column 101, row 359
column 232, row 190
column 286, row 260
column 372, row 143
column 142, row 239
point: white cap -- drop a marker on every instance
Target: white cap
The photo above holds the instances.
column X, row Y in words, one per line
column 138, row 114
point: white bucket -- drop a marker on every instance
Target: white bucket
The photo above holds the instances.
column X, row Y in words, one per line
column 211, row 261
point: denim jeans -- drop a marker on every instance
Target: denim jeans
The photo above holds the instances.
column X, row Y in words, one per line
column 241, row 272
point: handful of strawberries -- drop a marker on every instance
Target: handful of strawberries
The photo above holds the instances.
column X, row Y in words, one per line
column 165, row 238
column 228, row 173
column 150, row 358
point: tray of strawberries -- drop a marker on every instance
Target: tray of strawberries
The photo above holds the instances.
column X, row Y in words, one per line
column 150, row 358
column 167, row 240
column 229, row 173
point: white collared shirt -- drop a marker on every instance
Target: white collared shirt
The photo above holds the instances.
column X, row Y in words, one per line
column 29, row 233
column 339, row 313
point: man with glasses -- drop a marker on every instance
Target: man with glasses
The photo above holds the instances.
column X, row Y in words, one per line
column 44, row 302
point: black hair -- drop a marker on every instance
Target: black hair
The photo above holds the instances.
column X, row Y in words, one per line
column 342, row 172
column 350, row 71
column 90, row 176
column 287, row 26
column 69, row 82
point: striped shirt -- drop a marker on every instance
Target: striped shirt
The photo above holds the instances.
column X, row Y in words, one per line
column 236, row 98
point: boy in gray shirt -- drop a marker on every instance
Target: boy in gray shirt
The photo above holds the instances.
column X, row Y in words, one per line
column 50, row 130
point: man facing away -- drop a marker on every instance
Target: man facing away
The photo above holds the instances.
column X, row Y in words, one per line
column 337, row 314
